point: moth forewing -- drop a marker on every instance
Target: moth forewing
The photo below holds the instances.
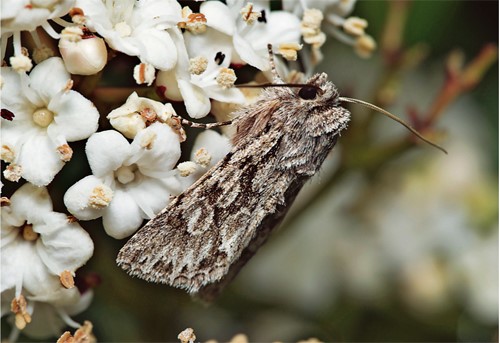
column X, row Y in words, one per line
column 206, row 234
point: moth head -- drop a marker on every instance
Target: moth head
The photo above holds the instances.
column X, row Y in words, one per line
column 318, row 89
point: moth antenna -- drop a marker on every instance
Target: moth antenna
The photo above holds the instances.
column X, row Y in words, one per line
column 204, row 126
column 274, row 71
column 266, row 85
column 393, row 117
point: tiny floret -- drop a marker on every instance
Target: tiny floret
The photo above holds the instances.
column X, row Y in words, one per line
column 130, row 181
column 138, row 113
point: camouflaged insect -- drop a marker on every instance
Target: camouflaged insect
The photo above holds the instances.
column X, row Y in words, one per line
column 201, row 240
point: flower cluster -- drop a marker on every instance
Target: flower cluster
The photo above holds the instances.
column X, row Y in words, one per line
column 41, row 250
column 51, row 97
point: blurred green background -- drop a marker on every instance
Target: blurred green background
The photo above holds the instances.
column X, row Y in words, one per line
column 401, row 250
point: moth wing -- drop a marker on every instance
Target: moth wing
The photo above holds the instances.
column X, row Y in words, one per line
column 194, row 241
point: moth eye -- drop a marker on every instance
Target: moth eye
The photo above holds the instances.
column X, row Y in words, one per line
column 308, row 92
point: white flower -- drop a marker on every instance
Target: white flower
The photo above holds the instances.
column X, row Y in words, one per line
column 202, row 71
column 48, row 115
column 248, row 33
column 333, row 18
column 25, row 15
column 39, row 245
column 130, row 182
column 136, row 28
column 54, row 308
column 197, row 88
column 40, row 252
column 137, row 113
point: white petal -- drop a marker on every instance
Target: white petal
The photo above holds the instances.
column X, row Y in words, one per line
column 123, row 217
column 156, row 150
column 10, row 226
column 248, row 54
column 49, row 78
column 58, row 297
column 231, row 95
column 106, row 151
column 196, row 101
column 14, row 133
column 11, row 8
column 76, row 198
column 156, row 48
column 152, row 195
column 46, row 311
column 59, row 8
column 158, row 13
column 208, row 45
column 21, row 261
column 96, row 13
column 11, row 273
column 75, row 117
column 63, row 245
column 81, row 305
column 130, row 106
column 218, row 16
column 39, row 160
column 127, row 45
column 282, row 27
column 31, row 202
column 28, row 19
column 11, row 85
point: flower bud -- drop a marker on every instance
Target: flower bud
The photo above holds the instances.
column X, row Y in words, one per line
column 83, row 53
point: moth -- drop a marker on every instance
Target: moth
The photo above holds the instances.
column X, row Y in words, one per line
column 205, row 235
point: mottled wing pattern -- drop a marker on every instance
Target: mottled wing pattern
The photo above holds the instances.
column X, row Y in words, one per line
column 204, row 230
column 205, row 235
